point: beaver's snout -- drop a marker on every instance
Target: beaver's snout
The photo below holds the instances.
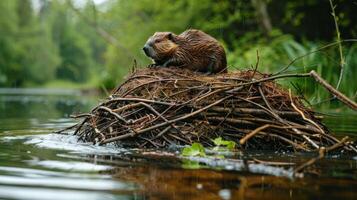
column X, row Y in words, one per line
column 149, row 50
column 146, row 50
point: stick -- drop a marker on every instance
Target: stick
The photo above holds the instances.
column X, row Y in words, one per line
column 254, row 132
column 81, row 115
column 270, row 78
column 273, row 162
column 139, row 100
column 302, row 114
column 256, row 66
column 336, row 145
column 253, row 111
column 332, row 90
column 159, row 115
column 311, row 161
column 65, row 129
column 164, row 123
column 113, row 113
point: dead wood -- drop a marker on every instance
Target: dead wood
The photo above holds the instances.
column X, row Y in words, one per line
column 156, row 107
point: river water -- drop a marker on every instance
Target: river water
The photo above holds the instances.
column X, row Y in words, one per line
column 37, row 164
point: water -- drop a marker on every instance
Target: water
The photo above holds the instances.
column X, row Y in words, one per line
column 35, row 164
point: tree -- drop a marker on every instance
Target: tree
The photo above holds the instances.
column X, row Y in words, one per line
column 11, row 71
column 73, row 47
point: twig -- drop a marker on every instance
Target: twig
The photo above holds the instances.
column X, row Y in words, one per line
column 337, row 145
column 273, row 162
column 294, row 144
column 322, row 151
column 209, row 94
column 113, row 113
column 159, row 115
column 185, row 116
column 269, row 111
column 256, row 66
column 311, row 52
column 197, row 111
column 270, row 78
column 339, row 95
column 310, row 141
column 139, row 100
column 254, row 132
column 81, row 115
column 155, row 81
column 164, row 123
column 67, row 128
column 253, row 111
column 302, row 114
column 342, row 60
column 265, row 100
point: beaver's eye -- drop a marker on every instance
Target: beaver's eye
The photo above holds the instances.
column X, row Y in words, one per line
column 170, row 36
column 157, row 41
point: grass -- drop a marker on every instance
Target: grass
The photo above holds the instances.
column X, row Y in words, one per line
column 319, row 56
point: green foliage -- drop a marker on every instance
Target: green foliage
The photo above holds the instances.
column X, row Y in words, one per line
column 43, row 43
column 74, row 48
column 223, row 144
column 235, row 25
column 196, row 149
column 312, row 19
column 10, row 67
column 38, row 46
column 132, row 22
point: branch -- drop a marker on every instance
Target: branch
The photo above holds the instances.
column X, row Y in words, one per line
column 104, row 34
column 332, row 90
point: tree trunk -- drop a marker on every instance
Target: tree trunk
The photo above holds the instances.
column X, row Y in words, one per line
column 262, row 15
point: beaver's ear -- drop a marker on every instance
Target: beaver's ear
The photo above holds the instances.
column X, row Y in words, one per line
column 171, row 37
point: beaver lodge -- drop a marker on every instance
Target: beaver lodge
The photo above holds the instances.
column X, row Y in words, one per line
column 158, row 107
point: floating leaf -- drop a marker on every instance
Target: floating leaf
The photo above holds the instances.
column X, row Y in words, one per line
column 196, row 149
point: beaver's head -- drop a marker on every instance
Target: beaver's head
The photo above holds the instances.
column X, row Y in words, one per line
column 160, row 46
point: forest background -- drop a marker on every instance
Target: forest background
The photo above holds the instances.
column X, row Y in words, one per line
column 93, row 44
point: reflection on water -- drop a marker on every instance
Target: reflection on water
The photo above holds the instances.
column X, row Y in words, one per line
column 35, row 164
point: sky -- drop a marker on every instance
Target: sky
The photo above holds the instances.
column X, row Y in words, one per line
column 99, row 1
column 36, row 3
column 82, row 2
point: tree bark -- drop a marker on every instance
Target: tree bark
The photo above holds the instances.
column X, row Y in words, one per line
column 262, row 15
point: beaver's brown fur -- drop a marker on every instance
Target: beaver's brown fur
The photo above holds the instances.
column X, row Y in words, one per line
column 192, row 49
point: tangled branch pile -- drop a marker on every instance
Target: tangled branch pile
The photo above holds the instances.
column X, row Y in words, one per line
column 159, row 107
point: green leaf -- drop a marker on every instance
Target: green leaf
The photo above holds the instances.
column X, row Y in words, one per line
column 218, row 141
column 230, row 145
column 196, row 149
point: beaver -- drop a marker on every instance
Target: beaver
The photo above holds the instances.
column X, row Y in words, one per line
column 192, row 49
